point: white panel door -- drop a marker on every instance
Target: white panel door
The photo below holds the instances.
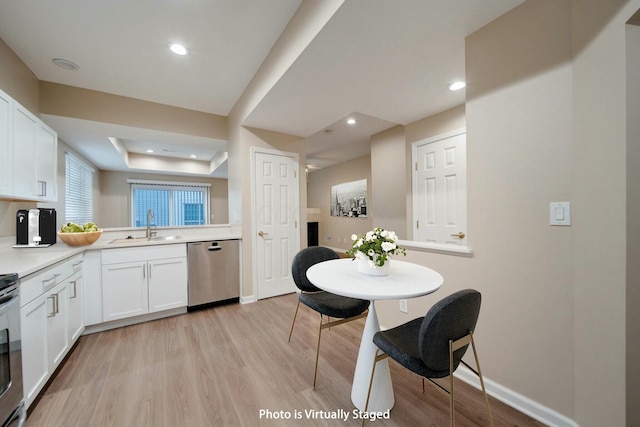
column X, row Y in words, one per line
column 441, row 190
column 276, row 222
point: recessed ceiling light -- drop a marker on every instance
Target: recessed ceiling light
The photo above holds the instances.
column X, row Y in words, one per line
column 178, row 49
column 150, row 150
column 65, row 64
column 351, row 121
column 193, row 156
column 456, row 85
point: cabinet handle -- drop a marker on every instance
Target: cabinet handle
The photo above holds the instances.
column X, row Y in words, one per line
column 75, row 291
column 54, row 277
column 56, row 304
column 166, row 263
column 75, row 264
column 53, row 306
column 43, row 188
column 144, row 272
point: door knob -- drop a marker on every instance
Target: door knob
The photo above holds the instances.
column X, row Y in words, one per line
column 459, row 235
column 262, row 233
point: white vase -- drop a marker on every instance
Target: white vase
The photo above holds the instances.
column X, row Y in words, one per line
column 365, row 267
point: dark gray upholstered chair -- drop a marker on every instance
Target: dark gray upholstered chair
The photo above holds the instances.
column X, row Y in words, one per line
column 325, row 303
column 432, row 346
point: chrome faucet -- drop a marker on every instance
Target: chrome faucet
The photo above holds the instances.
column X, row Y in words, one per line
column 151, row 217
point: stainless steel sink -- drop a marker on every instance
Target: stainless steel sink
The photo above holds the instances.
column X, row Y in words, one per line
column 163, row 238
column 145, row 239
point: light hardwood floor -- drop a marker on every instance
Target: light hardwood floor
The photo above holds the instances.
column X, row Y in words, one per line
column 223, row 365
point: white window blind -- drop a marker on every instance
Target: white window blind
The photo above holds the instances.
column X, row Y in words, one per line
column 78, row 190
column 172, row 203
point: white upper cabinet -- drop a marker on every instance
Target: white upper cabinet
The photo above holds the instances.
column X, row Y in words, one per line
column 6, row 144
column 28, row 154
column 47, row 163
column 25, row 129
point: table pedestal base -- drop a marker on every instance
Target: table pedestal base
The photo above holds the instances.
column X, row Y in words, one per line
column 381, row 398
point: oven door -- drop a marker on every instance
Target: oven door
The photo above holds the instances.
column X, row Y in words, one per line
column 10, row 357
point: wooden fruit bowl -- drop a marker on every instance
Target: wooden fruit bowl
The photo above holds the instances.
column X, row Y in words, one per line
column 80, row 239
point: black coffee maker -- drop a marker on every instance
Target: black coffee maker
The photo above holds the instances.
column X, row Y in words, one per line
column 36, row 227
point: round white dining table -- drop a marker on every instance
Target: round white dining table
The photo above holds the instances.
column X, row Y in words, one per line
column 405, row 280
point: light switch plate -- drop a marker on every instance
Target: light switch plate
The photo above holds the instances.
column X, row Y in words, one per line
column 560, row 213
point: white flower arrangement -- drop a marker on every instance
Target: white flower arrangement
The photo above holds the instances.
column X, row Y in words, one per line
column 376, row 245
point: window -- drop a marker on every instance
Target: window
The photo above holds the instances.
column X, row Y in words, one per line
column 173, row 203
column 78, row 190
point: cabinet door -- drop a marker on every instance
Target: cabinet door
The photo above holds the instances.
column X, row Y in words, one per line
column 76, row 313
column 57, row 335
column 124, row 290
column 6, row 145
column 47, row 163
column 24, row 153
column 167, row 284
column 35, row 364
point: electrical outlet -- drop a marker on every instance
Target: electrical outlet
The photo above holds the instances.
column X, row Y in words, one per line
column 403, row 306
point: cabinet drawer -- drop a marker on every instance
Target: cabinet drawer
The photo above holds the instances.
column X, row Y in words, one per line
column 34, row 285
column 143, row 253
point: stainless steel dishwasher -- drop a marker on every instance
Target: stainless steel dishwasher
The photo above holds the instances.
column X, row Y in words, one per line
column 214, row 272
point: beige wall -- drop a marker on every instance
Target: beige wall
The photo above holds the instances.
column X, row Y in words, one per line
column 600, row 227
column 17, row 80
column 69, row 101
column 336, row 231
column 115, row 195
column 22, row 85
column 633, row 224
column 388, row 158
column 519, row 147
column 541, row 128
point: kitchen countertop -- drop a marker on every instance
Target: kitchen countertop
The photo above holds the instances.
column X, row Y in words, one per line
column 25, row 261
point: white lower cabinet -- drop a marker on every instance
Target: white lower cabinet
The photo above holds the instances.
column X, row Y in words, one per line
column 124, row 290
column 143, row 280
column 35, row 363
column 49, row 323
column 75, row 293
column 57, row 333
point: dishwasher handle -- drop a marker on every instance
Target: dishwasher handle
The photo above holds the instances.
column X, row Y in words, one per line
column 214, row 248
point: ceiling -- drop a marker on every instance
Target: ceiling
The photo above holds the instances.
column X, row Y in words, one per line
column 381, row 62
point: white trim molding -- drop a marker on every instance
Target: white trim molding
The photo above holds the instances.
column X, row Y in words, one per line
column 517, row 401
column 439, row 248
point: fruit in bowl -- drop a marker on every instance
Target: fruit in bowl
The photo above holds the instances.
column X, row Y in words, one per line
column 79, row 235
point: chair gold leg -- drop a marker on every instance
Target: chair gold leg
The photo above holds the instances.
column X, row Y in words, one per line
column 294, row 321
column 452, row 412
column 315, row 373
column 484, row 391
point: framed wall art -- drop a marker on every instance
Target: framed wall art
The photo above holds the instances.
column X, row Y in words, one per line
column 349, row 199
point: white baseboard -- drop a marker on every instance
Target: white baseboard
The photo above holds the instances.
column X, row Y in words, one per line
column 247, row 300
column 517, row 401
